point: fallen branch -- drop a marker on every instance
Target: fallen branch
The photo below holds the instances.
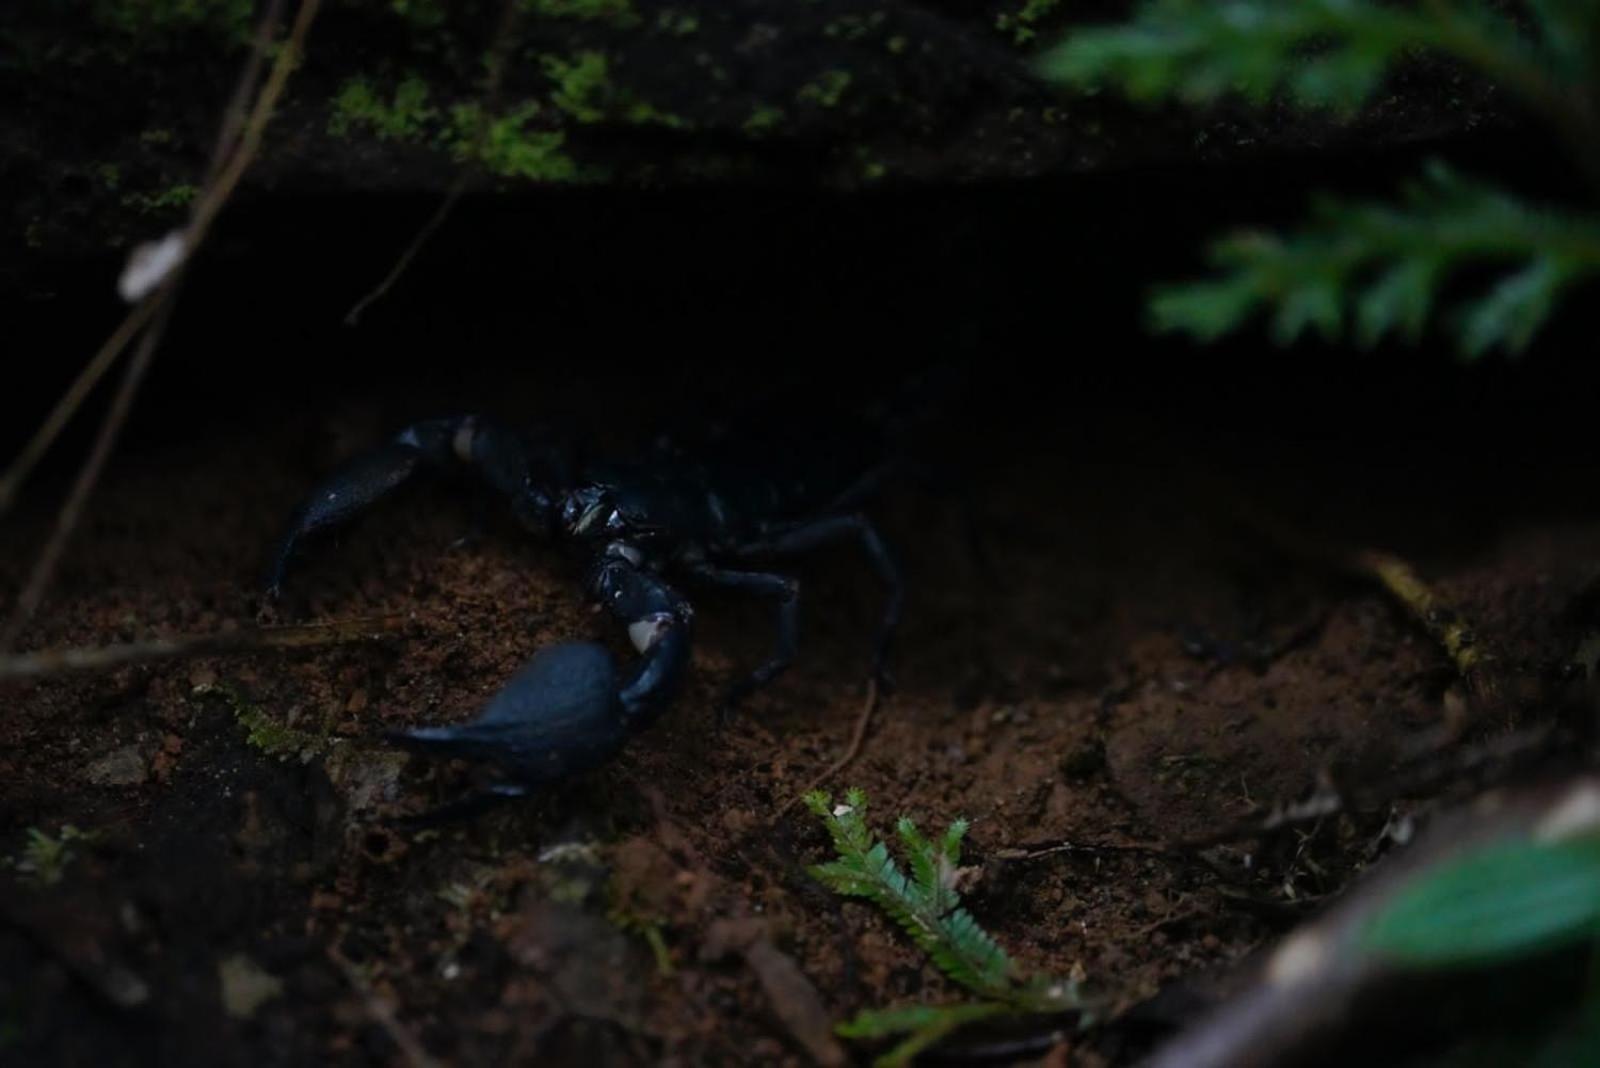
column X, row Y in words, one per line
column 245, row 640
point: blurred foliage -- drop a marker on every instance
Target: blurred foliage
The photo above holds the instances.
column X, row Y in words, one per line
column 1375, row 268
column 1502, row 902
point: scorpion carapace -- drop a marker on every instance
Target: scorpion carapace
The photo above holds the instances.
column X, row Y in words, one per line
column 717, row 513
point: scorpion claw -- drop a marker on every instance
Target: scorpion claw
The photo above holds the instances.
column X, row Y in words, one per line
column 559, row 715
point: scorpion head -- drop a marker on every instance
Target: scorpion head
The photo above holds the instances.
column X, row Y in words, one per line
column 587, row 513
column 609, row 512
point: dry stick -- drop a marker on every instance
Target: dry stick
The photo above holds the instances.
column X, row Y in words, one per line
column 97, row 367
column 227, row 178
column 853, row 750
column 235, row 114
column 244, row 640
column 353, row 316
column 1395, row 577
column 71, row 401
column 44, row 569
column 491, row 96
column 1442, row 622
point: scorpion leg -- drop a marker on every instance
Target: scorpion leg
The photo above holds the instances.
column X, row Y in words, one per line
column 785, row 592
column 570, row 710
column 501, row 459
column 346, row 493
column 809, row 536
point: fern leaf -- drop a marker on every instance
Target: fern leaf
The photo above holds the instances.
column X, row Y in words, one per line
column 1324, row 52
column 1383, row 266
column 925, row 905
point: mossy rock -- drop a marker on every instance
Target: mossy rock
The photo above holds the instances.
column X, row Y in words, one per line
column 111, row 116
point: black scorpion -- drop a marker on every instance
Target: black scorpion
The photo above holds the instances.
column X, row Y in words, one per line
column 714, row 515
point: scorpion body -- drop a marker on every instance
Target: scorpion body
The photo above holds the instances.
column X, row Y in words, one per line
column 715, row 513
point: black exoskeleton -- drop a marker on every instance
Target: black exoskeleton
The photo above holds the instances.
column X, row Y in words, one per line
column 712, row 515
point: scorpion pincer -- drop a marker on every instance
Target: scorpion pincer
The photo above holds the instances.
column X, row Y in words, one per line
column 709, row 516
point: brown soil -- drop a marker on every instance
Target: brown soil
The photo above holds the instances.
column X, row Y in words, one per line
column 1145, row 671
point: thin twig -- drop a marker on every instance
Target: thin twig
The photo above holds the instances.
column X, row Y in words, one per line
column 857, row 737
column 1472, row 659
column 491, row 97
column 1443, row 623
column 71, row 401
column 234, row 116
column 67, row 520
column 210, row 203
column 244, row 640
column 381, row 290
column 124, row 334
column 1093, row 849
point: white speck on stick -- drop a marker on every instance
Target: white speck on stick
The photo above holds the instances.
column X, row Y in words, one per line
column 151, row 264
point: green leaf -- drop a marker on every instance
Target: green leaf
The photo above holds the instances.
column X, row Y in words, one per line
column 1515, row 308
column 1569, row 30
column 1501, row 902
column 881, row 1023
column 926, row 1024
column 1387, row 263
column 1400, row 299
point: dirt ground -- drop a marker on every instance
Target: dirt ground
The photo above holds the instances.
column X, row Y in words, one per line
column 1142, row 669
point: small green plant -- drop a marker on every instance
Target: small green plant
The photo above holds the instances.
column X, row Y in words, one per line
column 45, row 858
column 504, row 145
column 927, row 906
column 1023, row 24
column 827, row 90
column 1378, row 268
column 615, row 12
column 404, row 118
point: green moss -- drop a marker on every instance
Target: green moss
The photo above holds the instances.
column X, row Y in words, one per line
column 423, row 14
column 582, row 84
column 584, row 90
column 404, row 118
column 263, row 732
column 678, row 23
column 275, row 739
column 615, row 12
column 1023, row 23
column 763, row 119
column 233, row 20
column 44, row 858
column 896, row 45
column 508, row 148
column 170, row 198
column 827, row 90
column 854, row 27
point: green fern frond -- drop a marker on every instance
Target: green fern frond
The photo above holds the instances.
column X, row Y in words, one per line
column 925, row 905
column 1380, row 268
column 923, row 1025
column 1323, row 52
